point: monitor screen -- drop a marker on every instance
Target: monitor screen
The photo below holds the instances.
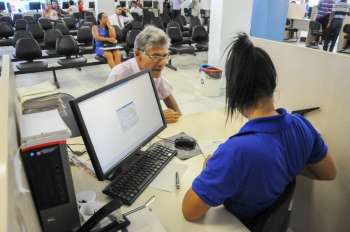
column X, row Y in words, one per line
column 92, row 5
column 65, row 5
column 147, row 4
column 155, row 4
column 117, row 120
column 122, row 3
column 34, row 5
column 2, row 6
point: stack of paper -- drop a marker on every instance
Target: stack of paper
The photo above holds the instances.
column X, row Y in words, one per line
column 42, row 128
column 40, row 97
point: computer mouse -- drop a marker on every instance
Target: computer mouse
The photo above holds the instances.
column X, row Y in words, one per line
column 185, row 143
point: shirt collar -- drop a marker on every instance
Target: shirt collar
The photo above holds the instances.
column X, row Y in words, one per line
column 267, row 124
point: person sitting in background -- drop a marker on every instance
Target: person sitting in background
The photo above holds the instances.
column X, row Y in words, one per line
column 119, row 18
column 105, row 34
column 136, row 9
column 339, row 11
column 250, row 171
column 151, row 52
column 50, row 13
column 72, row 8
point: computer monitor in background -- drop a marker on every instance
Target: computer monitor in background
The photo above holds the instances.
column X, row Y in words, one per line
column 2, row 6
column 91, row 5
column 147, row 4
column 155, row 4
column 122, row 3
column 65, row 5
column 117, row 120
column 34, row 6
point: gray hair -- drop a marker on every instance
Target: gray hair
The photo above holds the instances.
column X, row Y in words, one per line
column 150, row 37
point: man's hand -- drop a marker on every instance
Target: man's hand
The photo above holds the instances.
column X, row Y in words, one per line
column 171, row 116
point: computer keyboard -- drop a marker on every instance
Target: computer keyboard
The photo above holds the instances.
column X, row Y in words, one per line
column 129, row 186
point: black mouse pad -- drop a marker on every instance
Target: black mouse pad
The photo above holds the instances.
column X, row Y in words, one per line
column 181, row 154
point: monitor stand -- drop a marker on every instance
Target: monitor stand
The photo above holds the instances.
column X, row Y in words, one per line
column 125, row 165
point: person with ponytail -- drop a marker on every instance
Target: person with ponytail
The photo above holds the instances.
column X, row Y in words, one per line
column 250, row 171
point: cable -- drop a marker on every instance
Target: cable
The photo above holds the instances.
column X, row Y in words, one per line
column 167, row 140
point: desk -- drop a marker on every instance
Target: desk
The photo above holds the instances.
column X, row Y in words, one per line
column 208, row 126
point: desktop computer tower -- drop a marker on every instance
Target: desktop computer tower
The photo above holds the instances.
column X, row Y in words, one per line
column 50, row 180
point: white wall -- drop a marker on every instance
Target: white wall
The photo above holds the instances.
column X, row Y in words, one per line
column 227, row 18
column 307, row 78
column 107, row 6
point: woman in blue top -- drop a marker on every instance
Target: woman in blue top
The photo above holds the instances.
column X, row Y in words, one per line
column 249, row 172
column 104, row 33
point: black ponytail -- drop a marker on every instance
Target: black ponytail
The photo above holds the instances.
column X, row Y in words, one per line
column 250, row 75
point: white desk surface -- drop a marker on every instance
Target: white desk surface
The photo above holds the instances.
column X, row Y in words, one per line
column 208, row 126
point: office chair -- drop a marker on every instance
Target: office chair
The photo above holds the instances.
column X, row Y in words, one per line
column 68, row 47
column 28, row 49
column 291, row 31
column 37, row 31
column 200, row 38
column 21, row 35
column 45, row 23
column 6, row 31
column 276, row 218
column 130, row 40
column 165, row 19
column 20, row 24
column 346, row 31
column 157, row 22
column 136, row 16
column 146, row 19
column 28, row 19
column 50, row 37
column 17, row 16
column 179, row 45
column 63, row 28
column 315, row 33
column 85, row 39
column 6, row 19
column 136, row 25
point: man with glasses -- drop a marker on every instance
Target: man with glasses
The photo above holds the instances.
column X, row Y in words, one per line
column 151, row 52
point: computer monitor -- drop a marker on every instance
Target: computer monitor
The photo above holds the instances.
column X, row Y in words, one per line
column 155, row 4
column 115, row 121
column 2, row 6
column 122, row 3
column 147, row 4
column 92, row 5
column 34, row 5
column 65, row 5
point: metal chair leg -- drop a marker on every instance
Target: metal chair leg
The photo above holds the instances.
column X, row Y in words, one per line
column 55, row 79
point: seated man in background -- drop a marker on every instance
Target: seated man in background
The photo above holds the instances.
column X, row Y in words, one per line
column 151, row 51
column 120, row 18
column 136, row 9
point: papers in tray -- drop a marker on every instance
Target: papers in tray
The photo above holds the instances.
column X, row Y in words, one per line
column 116, row 47
column 36, row 91
column 42, row 128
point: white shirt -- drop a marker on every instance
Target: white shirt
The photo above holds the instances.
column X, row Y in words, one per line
column 113, row 19
column 176, row 4
column 73, row 9
column 130, row 67
column 137, row 10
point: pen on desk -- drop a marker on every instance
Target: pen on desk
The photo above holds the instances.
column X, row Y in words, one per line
column 177, row 180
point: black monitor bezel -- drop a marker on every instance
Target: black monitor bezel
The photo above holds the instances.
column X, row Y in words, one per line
column 35, row 4
column 85, row 135
column 92, row 4
column 148, row 1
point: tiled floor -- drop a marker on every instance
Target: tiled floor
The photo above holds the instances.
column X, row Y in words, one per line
column 185, row 81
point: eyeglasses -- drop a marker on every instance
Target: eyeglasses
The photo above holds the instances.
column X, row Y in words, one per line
column 158, row 58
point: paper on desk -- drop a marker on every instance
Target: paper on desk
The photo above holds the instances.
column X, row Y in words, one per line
column 166, row 178
column 144, row 221
column 209, row 146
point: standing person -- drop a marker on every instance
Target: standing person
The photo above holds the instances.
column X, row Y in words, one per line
column 151, row 52
column 176, row 8
column 339, row 11
column 81, row 6
column 104, row 33
column 251, row 170
column 324, row 11
column 195, row 8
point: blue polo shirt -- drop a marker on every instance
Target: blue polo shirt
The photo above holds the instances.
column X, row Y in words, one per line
column 251, row 169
